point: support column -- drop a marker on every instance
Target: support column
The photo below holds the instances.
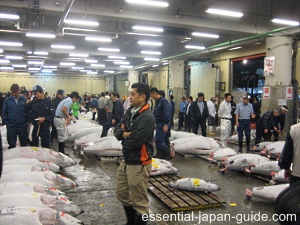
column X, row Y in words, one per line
column 133, row 77
column 281, row 48
column 110, row 83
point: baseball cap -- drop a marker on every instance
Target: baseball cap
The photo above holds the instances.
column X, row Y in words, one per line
column 15, row 88
column 37, row 88
column 245, row 96
column 200, row 94
column 285, row 108
column 60, row 92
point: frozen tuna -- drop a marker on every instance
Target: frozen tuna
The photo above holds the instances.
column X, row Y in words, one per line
column 267, row 193
column 24, row 168
column 194, row 184
column 178, row 134
column 47, row 178
column 34, row 162
column 41, row 154
column 35, row 216
column 85, row 131
column 27, row 188
column 222, row 153
column 273, row 150
column 111, row 147
column 261, row 145
column 59, row 203
column 266, row 168
column 161, row 169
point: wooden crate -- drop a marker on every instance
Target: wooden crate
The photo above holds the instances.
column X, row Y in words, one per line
column 179, row 200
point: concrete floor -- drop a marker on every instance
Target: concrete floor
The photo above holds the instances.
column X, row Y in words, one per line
column 97, row 181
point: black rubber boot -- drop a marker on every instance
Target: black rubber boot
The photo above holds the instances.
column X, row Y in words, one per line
column 241, row 145
column 248, row 144
column 61, row 147
column 130, row 214
column 139, row 220
column 167, row 154
column 159, row 154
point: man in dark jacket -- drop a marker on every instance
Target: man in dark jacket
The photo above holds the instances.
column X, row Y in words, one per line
column 1, row 104
column 59, row 96
column 280, row 122
column 42, row 116
column 172, row 104
column 199, row 114
column 117, row 114
column 14, row 115
column 136, row 133
column 162, row 114
column 266, row 125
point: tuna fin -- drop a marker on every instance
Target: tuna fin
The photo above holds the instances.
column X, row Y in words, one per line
column 249, row 193
column 247, row 170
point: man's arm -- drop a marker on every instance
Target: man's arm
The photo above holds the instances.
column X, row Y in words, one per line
column 286, row 156
column 5, row 113
column 221, row 110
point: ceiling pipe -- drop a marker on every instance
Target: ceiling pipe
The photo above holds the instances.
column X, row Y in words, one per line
column 222, row 45
column 64, row 16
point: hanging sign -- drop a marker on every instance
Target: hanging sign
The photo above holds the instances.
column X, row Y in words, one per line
column 281, row 101
column 266, row 92
column 289, row 93
column 269, row 66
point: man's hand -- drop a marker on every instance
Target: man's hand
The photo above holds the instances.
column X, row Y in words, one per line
column 113, row 121
column 126, row 134
column 237, row 124
column 166, row 128
column 266, row 131
column 287, row 174
column 41, row 119
column 122, row 126
column 253, row 116
column 68, row 120
column 275, row 128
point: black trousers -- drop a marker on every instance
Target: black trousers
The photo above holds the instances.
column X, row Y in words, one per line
column 181, row 120
column 44, row 133
column 102, row 117
column 202, row 123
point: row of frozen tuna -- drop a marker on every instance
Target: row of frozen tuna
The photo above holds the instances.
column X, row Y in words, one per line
column 31, row 193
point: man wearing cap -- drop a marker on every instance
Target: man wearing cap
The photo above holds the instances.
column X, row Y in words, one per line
column 280, row 122
column 182, row 111
column 199, row 114
column 62, row 119
column 59, row 96
column 212, row 114
column 14, row 116
column 243, row 114
column 225, row 115
column 42, row 114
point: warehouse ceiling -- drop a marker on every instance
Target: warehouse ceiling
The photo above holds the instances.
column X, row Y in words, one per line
column 116, row 21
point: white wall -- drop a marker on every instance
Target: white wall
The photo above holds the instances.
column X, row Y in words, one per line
column 122, row 89
column 158, row 79
column 51, row 83
column 176, row 71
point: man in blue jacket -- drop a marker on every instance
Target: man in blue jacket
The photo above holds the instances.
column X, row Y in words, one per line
column 15, row 118
column 42, row 116
column 162, row 114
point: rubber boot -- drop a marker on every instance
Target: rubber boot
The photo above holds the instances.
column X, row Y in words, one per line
column 167, row 154
column 210, row 130
column 139, row 220
column 130, row 214
column 61, row 147
column 241, row 145
column 159, row 154
column 248, row 144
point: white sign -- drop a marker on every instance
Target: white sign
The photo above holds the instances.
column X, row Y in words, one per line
column 289, row 93
column 266, row 92
column 269, row 66
column 281, row 101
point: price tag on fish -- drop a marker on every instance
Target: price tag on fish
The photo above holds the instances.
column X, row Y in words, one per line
column 196, row 182
column 9, row 210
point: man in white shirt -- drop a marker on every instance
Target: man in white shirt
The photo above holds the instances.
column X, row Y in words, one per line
column 212, row 114
column 225, row 118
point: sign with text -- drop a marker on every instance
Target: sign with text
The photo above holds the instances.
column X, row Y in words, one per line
column 269, row 66
column 289, row 93
column 266, row 92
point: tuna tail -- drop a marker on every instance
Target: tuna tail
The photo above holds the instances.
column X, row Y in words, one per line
column 248, row 171
column 224, row 169
column 249, row 193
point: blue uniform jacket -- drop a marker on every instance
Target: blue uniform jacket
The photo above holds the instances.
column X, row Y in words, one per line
column 12, row 113
column 163, row 111
column 42, row 108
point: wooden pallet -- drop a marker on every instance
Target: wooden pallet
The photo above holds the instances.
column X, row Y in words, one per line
column 179, row 200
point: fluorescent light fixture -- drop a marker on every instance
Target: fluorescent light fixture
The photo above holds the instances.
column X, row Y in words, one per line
column 116, row 57
column 4, row 61
column 113, row 60
column 83, row 71
column 155, row 65
column 67, row 64
column 47, row 71
column 77, row 68
column 144, row 28
column 245, row 61
column 8, row 43
column 151, row 59
column 194, row 47
column 41, row 53
column 34, row 68
column 142, row 34
column 63, row 46
column 6, row 68
column 151, row 43
column 198, row 34
column 109, row 49
column 1, row 50
column 9, row 16
column 165, row 63
column 286, row 22
column 19, row 66
column 50, row 67
column 91, row 61
column 235, row 48
column 40, row 35
column 126, row 66
column 108, row 71
column 149, row 3
column 91, row 72
column 13, row 57
column 100, row 39
column 98, row 65
column 81, row 22
column 121, row 63
column 151, row 53
column 224, row 12
column 78, row 55
column 35, row 62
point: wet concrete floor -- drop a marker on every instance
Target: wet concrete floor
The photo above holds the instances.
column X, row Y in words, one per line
column 97, row 182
